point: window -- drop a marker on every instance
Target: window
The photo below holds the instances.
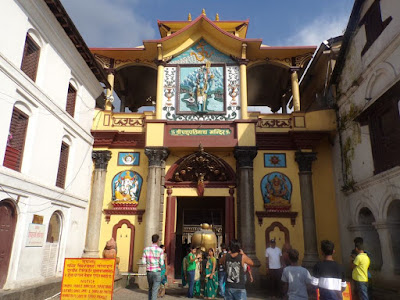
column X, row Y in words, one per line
column 71, row 98
column 384, row 124
column 62, row 166
column 373, row 24
column 16, row 140
column 30, row 60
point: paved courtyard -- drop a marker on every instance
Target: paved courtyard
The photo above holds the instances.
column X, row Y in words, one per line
column 173, row 293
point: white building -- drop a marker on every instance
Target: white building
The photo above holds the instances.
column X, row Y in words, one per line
column 367, row 147
column 49, row 84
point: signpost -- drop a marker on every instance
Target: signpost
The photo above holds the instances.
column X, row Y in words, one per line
column 88, row 278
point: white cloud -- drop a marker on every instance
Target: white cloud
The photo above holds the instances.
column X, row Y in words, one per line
column 320, row 29
column 105, row 23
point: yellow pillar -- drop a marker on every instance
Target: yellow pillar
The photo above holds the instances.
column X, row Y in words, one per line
column 109, row 93
column 243, row 82
column 295, row 90
column 160, row 82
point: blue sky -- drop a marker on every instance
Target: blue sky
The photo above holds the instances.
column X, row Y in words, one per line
column 125, row 23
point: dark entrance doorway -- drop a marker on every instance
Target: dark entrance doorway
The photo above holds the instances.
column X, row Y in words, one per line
column 191, row 212
column 8, row 220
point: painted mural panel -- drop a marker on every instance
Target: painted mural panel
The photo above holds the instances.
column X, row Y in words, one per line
column 126, row 186
column 202, row 89
column 275, row 160
column 128, row 158
column 276, row 189
column 201, row 53
column 201, row 84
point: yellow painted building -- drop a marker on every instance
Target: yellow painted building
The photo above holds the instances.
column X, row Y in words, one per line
column 204, row 153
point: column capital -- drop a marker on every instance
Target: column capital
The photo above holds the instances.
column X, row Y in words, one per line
column 110, row 71
column 304, row 160
column 160, row 62
column 156, row 155
column 245, row 155
column 294, row 69
column 101, row 158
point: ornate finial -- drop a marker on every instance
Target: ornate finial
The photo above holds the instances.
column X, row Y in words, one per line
column 201, row 149
column 217, row 17
column 203, row 12
column 189, row 17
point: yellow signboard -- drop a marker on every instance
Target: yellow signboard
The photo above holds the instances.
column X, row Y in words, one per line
column 88, row 278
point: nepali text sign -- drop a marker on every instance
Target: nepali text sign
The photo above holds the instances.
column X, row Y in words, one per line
column 88, row 278
column 203, row 131
column 35, row 235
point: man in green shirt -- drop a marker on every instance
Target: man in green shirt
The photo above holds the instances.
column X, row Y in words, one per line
column 360, row 272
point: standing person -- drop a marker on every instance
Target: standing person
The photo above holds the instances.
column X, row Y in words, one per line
column 164, row 278
column 273, row 257
column 285, row 255
column 295, row 278
column 191, row 269
column 360, row 267
column 197, row 290
column 353, row 256
column 234, row 261
column 211, row 288
column 221, row 271
column 153, row 259
column 328, row 275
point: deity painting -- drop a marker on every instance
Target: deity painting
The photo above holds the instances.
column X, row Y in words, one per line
column 276, row 190
column 126, row 186
column 202, row 89
column 128, row 158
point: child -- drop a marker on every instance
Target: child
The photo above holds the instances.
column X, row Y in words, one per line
column 295, row 278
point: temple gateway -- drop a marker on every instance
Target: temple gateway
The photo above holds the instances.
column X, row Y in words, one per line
column 228, row 141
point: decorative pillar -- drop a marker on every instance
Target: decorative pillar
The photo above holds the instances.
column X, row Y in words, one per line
column 245, row 209
column 295, row 89
column 304, row 160
column 243, row 81
column 229, row 217
column 156, row 156
column 100, row 159
column 109, row 93
column 385, row 239
column 169, row 240
column 160, row 81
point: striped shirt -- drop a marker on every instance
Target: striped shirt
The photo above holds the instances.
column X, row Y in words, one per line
column 153, row 257
column 329, row 277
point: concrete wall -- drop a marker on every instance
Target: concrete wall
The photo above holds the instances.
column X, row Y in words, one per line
column 33, row 189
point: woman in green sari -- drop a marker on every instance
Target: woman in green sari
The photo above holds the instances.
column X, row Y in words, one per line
column 211, row 288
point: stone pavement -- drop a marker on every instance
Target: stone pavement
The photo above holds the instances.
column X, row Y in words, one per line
column 171, row 293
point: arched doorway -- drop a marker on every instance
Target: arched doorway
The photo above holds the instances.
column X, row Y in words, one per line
column 8, row 221
column 124, row 236
column 52, row 245
column 393, row 219
column 371, row 237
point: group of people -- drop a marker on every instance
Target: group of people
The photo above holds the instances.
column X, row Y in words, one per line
column 226, row 276
column 289, row 279
column 210, row 277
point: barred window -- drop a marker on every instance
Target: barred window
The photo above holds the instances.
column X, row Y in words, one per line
column 62, row 166
column 71, row 99
column 16, row 140
column 30, row 60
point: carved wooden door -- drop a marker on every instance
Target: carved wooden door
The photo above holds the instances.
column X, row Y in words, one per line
column 8, row 220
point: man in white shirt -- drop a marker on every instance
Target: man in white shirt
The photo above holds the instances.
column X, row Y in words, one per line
column 273, row 257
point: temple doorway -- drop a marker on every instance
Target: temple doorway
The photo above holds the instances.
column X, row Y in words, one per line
column 191, row 212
